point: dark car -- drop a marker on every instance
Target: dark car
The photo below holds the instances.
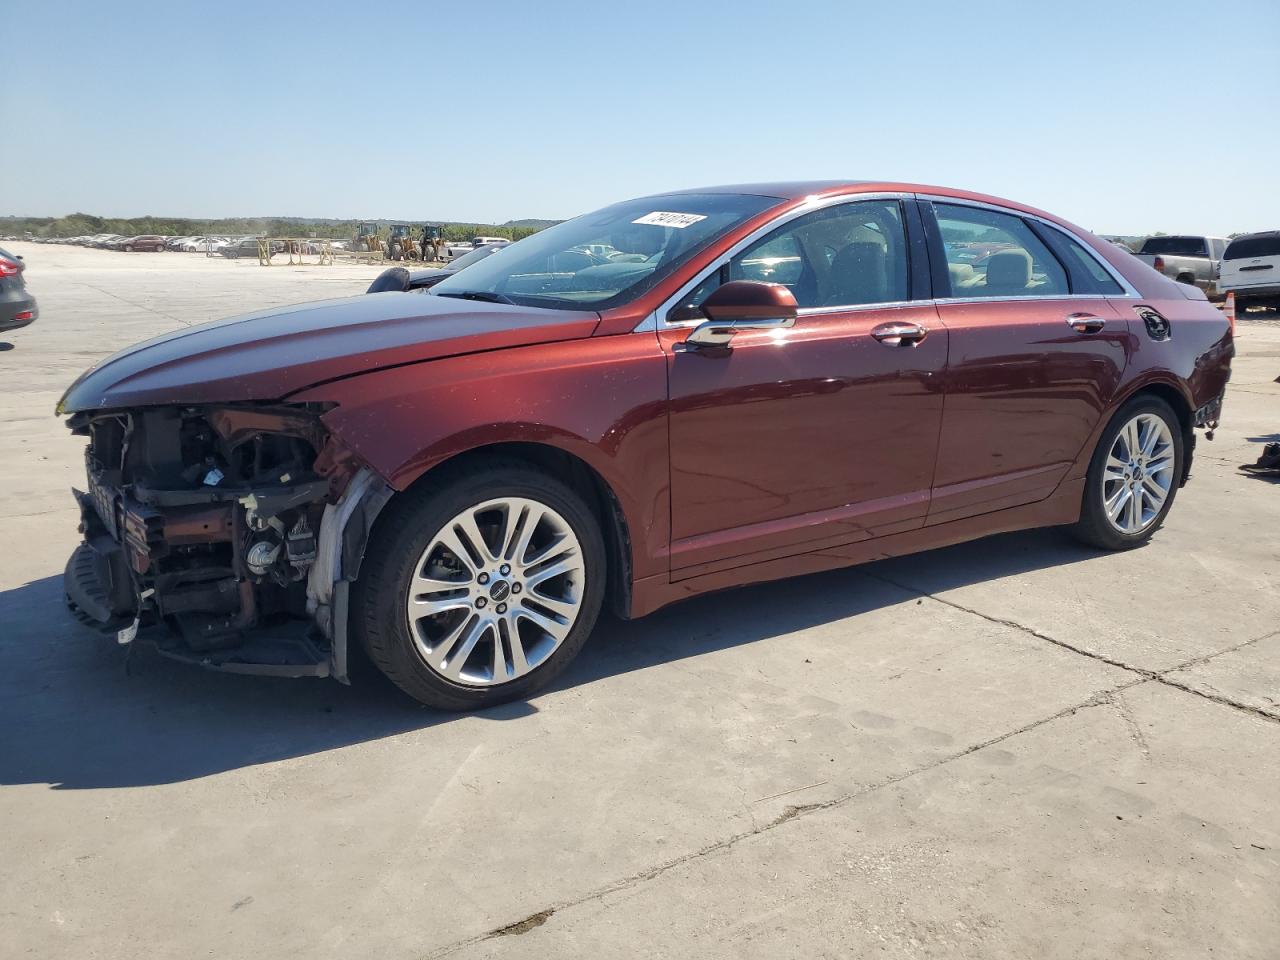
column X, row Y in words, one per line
column 17, row 305
column 401, row 279
column 461, row 481
column 148, row 242
column 249, row 247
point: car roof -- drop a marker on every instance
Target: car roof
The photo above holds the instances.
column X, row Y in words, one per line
column 792, row 190
column 1260, row 233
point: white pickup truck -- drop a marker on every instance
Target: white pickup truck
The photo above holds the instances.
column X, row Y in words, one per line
column 1187, row 259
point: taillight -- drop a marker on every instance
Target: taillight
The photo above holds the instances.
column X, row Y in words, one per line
column 1158, row 263
column 9, row 268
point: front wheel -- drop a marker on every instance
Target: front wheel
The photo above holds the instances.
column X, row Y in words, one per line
column 480, row 588
column 1133, row 477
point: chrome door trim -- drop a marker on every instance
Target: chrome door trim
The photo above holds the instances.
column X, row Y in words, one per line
column 944, row 301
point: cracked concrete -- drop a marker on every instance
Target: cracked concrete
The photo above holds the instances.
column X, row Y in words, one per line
column 1012, row 748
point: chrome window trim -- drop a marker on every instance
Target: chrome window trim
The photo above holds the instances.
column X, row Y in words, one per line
column 1130, row 292
column 656, row 321
column 852, row 307
column 1031, row 298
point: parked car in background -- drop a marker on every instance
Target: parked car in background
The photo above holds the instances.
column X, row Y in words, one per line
column 401, row 279
column 1251, row 270
column 463, row 247
column 248, row 247
column 146, row 242
column 17, row 305
column 461, row 480
column 1186, row 258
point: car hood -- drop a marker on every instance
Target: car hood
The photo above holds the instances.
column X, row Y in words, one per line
column 271, row 354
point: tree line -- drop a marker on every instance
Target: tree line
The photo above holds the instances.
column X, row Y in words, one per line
column 85, row 224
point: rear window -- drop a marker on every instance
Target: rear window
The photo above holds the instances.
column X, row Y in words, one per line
column 1176, row 246
column 1246, row 248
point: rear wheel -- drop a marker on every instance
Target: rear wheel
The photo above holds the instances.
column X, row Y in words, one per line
column 480, row 588
column 1133, row 476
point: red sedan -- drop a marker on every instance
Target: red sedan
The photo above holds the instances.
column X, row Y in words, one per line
column 671, row 395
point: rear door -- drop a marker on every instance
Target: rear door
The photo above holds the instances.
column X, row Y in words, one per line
column 1037, row 351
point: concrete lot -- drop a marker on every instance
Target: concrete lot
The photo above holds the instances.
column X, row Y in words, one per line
column 1013, row 748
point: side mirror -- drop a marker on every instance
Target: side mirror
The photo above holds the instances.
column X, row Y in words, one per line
column 743, row 305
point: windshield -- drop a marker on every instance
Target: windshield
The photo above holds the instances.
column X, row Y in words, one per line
column 1176, row 246
column 479, row 253
column 606, row 258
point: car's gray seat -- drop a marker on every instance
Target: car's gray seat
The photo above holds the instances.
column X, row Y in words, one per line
column 859, row 274
column 1008, row 273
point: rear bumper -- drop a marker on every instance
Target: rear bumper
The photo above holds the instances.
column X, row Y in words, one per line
column 17, row 310
column 1251, row 291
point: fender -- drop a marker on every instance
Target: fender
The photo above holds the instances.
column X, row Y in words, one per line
column 600, row 399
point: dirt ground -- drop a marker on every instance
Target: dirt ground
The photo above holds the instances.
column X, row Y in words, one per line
column 1013, row 748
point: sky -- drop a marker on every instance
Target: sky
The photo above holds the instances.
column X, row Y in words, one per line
column 1123, row 117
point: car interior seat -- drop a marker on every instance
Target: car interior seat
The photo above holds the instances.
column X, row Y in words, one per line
column 962, row 276
column 859, row 274
column 1008, row 273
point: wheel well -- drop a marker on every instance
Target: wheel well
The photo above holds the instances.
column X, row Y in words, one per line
column 1174, row 398
column 577, row 474
column 1186, row 278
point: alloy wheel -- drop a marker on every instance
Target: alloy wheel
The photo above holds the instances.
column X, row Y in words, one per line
column 496, row 591
column 1138, row 475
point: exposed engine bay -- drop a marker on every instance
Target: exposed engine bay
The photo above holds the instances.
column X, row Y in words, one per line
column 218, row 532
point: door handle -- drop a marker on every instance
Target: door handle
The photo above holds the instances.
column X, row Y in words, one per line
column 1085, row 323
column 899, row 334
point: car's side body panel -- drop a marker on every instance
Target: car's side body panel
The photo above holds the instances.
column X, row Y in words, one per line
column 783, row 441
column 1024, row 392
column 406, row 420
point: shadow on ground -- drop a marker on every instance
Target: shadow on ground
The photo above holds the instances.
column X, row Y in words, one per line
column 74, row 719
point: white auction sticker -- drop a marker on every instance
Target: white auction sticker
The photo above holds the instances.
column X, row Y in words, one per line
column 662, row 218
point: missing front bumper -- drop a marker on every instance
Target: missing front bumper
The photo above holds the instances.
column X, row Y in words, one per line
column 94, row 592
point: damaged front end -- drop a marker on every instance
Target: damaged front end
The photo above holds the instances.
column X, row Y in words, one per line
column 225, row 534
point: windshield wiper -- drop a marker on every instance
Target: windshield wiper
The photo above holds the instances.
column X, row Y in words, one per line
column 482, row 295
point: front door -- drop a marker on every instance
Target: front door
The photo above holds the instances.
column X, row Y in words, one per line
column 824, row 433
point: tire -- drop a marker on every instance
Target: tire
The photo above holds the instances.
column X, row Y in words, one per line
column 1187, row 278
column 407, row 541
column 128, row 249
column 1105, row 482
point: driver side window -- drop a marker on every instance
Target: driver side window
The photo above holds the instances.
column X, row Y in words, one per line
column 842, row 256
